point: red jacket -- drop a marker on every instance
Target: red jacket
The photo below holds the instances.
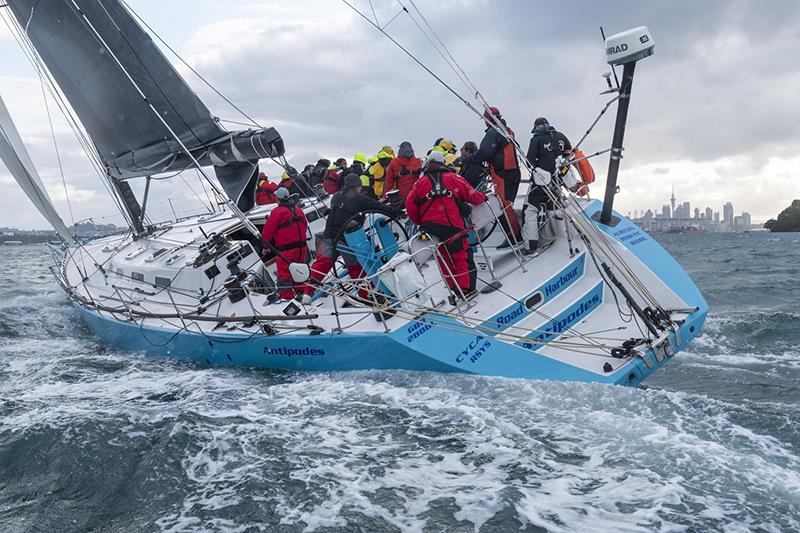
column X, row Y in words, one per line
column 266, row 193
column 331, row 181
column 441, row 210
column 282, row 231
column 401, row 174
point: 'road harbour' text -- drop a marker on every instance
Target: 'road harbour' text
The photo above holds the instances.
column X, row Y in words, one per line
column 290, row 352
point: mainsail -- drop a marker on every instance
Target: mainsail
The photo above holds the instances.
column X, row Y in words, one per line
column 112, row 72
column 19, row 163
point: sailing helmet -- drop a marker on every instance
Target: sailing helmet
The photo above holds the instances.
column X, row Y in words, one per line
column 435, row 157
column 448, row 146
column 491, row 111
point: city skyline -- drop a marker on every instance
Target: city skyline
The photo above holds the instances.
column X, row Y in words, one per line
column 682, row 216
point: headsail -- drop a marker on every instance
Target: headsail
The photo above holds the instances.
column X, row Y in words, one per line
column 111, row 72
column 19, row 163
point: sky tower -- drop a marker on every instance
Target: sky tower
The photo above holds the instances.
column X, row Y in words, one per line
column 672, row 200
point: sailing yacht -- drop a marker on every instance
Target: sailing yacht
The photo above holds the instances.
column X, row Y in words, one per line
column 603, row 303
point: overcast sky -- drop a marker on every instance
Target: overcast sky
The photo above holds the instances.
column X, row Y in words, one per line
column 714, row 112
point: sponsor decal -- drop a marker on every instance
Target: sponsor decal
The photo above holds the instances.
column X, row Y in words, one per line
column 415, row 330
column 474, row 350
column 617, row 49
column 630, row 235
column 291, row 352
column 563, row 280
column 508, row 318
column 549, row 290
column 564, row 321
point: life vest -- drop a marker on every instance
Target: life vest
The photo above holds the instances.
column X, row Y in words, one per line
column 585, row 170
column 438, row 190
column 509, row 157
column 293, row 220
column 331, row 181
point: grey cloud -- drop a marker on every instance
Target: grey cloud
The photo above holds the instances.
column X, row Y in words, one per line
column 718, row 86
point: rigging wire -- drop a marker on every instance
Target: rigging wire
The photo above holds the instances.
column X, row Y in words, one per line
column 187, row 65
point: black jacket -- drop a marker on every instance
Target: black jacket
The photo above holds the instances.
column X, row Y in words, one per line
column 490, row 150
column 345, row 204
column 545, row 146
column 473, row 171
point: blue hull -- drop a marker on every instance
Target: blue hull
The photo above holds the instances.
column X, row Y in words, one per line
column 419, row 346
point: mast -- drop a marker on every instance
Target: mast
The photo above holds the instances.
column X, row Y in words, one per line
column 626, row 49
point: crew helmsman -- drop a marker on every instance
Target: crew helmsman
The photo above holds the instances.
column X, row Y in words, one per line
column 286, row 231
column 345, row 204
column 437, row 203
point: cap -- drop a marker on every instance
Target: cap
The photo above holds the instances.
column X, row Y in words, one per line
column 282, row 193
column 406, row 150
column 351, row 181
column 539, row 121
column 435, row 157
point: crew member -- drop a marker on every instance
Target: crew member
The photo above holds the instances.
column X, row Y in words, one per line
column 332, row 181
column 436, row 203
column 377, row 172
column 403, row 171
column 546, row 145
column 472, row 171
column 317, row 175
column 285, row 232
column 499, row 152
column 265, row 191
column 345, row 204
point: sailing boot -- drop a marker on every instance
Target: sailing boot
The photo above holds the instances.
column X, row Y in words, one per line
column 533, row 249
column 507, row 244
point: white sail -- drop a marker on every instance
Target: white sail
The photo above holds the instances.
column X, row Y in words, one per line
column 19, row 163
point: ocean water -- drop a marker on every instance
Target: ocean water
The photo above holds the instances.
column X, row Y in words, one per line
column 94, row 439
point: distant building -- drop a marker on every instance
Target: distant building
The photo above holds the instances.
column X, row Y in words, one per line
column 665, row 212
column 709, row 213
column 727, row 214
column 716, row 217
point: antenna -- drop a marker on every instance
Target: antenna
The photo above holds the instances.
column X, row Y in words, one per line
column 616, row 80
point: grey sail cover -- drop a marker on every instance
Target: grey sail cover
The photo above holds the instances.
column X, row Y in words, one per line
column 20, row 165
column 83, row 43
